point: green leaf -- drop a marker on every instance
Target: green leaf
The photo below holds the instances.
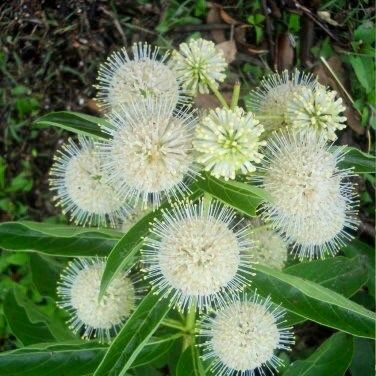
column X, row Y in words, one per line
column 134, row 336
column 24, row 236
column 331, row 358
column 123, row 253
column 155, row 349
column 363, row 362
column 364, row 70
column 76, row 122
column 45, row 273
column 26, row 331
column 357, row 247
column 189, row 363
column 53, row 319
column 314, row 302
column 340, row 274
column 360, row 161
column 244, row 197
column 68, row 359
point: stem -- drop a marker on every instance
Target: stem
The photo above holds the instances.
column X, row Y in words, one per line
column 216, row 92
column 191, row 319
column 329, row 68
column 235, row 95
column 190, row 325
column 173, row 324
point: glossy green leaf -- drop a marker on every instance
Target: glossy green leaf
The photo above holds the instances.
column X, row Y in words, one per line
column 134, row 336
column 331, row 358
column 72, row 358
column 76, row 122
column 340, row 274
column 45, row 272
column 243, row 197
column 26, row 331
column 122, row 255
column 189, row 363
column 24, row 236
column 314, row 302
column 68, row 359
column 363, row 361
column 360, row 161
column 357, row 247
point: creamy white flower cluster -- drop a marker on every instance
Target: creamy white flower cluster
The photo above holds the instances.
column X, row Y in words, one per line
column 200, row 255
column 298, row 101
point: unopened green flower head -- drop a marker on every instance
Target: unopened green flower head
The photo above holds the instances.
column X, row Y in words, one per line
column 318, row 108
column 271, row 98
column 198, row 62
column 241, row 338
column 312, row 200
column 227, row 142
column 79, row 295
column 123, row 80
column 270, row 248
column 78, row 180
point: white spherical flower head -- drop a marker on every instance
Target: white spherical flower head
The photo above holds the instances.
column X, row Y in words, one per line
column 270, row 100
column 198, row 62
column 77, row 179
column 317, row 108
column 270, row 248
column 312, row 200
column 197, row 256
column 243, row 336
column 227, row 142
column 149, row 155
column 79, row 292
column 122, row 80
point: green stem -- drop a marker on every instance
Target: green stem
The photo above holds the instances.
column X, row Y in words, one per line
column 216, row 92
column 190, row 325
column 191, row 319
column 173, row 324
column 235, row 95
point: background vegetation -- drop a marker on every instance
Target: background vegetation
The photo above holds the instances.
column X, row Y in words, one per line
column 49, row 56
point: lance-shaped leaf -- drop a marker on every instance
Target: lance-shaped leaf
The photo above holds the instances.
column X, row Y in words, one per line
column 243, row 197
column 56, row 240
column 190, row 363
column 70, row 358
column 76, row 122
column 314, row 302
column 134, row 336
column 332, row 358
column 340, row 274
column 358, row 160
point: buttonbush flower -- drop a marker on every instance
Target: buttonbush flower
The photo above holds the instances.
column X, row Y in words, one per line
column 197, row 255
column 318, row 108
column 312, row 199
column 270, row 100
column 77, row 179
column 242, row 337
column 123, row 80
column 79, row 292
column 149, row 155
column 198, row 62
column 227, row 142
column 270, row 248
